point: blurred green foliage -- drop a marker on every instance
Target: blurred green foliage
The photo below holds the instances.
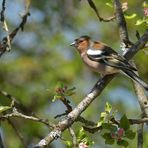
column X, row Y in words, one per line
column 41, row 57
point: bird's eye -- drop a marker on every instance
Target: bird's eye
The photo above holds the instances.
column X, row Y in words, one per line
column 80, row 41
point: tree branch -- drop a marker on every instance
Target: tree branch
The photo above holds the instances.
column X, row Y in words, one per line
column 6, row 41
column 4, row 23
column 93, row 6
column 108, row 19
column 15, row 113
column 15, row 103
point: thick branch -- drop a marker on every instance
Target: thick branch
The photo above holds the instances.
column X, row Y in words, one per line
column 143, row 102
column 142, row 99
column 75, row 113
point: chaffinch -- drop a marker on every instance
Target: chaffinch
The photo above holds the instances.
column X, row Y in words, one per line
column 104, row 60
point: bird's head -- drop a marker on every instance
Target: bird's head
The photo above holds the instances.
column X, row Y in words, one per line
column 81, row 43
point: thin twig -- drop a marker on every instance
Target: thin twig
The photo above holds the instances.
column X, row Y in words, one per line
column 121, row 23
column 86, row 122
column 15, row 113
column 137, row 34
column 138, row 121
column 7, row 95
column 20, row 136
column 4, row 44
column 61, row 91
column 15, row 102
column 60, row 115
column 66, row 102
column 5, row 26
column 92, row 129
column 140, row 136
column 146, row 52
column 1, row 142
column 93, row 6
column 2, row 11
column 108, row 19
column 74, row 138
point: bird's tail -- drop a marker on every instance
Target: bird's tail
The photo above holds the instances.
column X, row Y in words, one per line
column 136, row 78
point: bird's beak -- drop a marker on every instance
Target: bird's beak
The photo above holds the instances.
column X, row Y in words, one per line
column 73, row 44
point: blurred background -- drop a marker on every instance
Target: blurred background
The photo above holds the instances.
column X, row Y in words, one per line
column 41, row 57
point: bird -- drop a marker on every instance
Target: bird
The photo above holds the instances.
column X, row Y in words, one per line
column 102, row 59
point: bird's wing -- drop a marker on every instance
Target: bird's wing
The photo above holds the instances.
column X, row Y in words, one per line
column 110, row 58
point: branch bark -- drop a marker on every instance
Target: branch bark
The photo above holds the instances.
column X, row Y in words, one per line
column 121, row 22
column 142, row 99
column 143, row 102
column 140, row 136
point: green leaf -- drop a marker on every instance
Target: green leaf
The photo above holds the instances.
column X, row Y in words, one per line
column 109, row 4
column 4, row 108
column 68, row 144
column 139, row 22
column 103, row 114
column 69, row 93
column 72, row 89
column 145, row 4
column 109, row 141
column 102, row 118
column 130, row 134
column 81, row 135
column 108, row 107
column 106, row 126
column 124, row 123
column 109, row 126
column 130, row 16
column 106, row 136
column 56, row 97
column 123, row 143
